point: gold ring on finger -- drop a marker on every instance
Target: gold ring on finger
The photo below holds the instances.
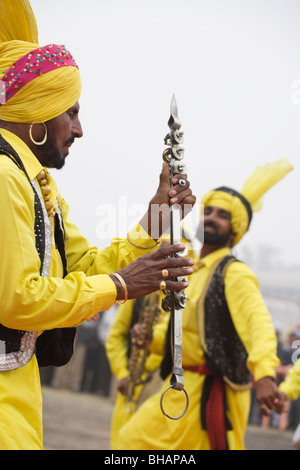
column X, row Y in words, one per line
column 162, row 285
column 165, row 273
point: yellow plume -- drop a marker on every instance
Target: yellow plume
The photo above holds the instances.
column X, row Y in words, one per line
column 262, row 180
column 17, row 21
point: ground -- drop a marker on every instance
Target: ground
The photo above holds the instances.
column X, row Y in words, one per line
column 78, row 421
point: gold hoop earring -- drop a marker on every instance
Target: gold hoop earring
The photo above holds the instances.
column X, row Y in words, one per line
column 30, row 133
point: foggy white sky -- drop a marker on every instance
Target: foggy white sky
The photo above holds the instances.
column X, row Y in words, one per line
column 234, row 66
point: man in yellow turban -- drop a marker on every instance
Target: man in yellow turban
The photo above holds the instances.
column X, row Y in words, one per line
column 228, row 340
column 52, row 278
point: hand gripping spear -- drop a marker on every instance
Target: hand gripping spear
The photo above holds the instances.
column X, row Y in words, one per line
column 174, row 302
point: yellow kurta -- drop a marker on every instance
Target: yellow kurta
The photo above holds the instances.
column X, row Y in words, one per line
column 149, row 428
column 291, row 384
column 33, row 303
column 116, row 348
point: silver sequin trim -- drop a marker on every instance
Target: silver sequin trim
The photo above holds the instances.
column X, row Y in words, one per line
column 20, row 358
column 48, row 234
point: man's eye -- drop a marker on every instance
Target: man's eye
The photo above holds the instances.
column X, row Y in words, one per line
column 72, row 113
column 225, row 216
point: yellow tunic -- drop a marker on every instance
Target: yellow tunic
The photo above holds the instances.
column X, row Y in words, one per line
column 291, row 384
column 30, row 302
column 149, row 428
column 116, row 348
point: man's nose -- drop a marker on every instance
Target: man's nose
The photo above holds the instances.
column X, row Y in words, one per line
column 77, row 129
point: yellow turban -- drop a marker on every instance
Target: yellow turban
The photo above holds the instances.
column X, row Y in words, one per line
column 47, row 95
column 241, row 204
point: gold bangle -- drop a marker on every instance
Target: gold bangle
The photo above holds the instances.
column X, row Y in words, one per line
column 142, row 247
column 117, row 275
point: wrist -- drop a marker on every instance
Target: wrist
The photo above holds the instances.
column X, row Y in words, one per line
column 122, row 293
column 268, row 377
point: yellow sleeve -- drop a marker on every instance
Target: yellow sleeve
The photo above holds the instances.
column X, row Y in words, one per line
column 117, row 340
column 251, row 320
column 34, row 303
column 157, row 346
column 291, row 384
column 83, row 256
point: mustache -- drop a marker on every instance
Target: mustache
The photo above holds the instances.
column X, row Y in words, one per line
column 211, row 224
column 70, row 141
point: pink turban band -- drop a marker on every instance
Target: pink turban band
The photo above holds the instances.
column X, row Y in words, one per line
column 32, row 65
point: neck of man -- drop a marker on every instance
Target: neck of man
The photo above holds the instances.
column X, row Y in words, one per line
column 206, row 249
column 21, row 130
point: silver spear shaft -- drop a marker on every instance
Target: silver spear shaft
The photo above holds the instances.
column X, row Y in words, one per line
column 175, row 302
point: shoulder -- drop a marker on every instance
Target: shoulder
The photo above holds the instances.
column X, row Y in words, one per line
column 9, row 169
column 13, row 182
column 239, row 270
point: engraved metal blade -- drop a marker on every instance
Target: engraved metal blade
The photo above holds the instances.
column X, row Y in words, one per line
column 174, row 121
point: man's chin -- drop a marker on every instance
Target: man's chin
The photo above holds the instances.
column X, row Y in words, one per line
column 59, row 165
column 215, row 239
column 53, row 158
column 208, row 240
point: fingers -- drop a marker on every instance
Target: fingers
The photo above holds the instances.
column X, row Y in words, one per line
column 177, row 272
column 176, row 285
column 164, row 177
column 267, row 394
column 174, row 266
column 145, row 274
column 177, row 178
column 180, row 184
column 280, row 403
column 274, row 402
column 181, row 193
column 269, row 403
column 167, row 250
column 264, row 410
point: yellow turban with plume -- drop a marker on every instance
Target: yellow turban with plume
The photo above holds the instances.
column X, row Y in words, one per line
column 36, row 86
column 249, row 199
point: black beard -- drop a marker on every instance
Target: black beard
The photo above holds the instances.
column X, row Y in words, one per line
column 216, row 239
column 51, row 158
column 209, row 238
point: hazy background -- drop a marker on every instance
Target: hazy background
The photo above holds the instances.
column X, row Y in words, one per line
column 234, row 66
